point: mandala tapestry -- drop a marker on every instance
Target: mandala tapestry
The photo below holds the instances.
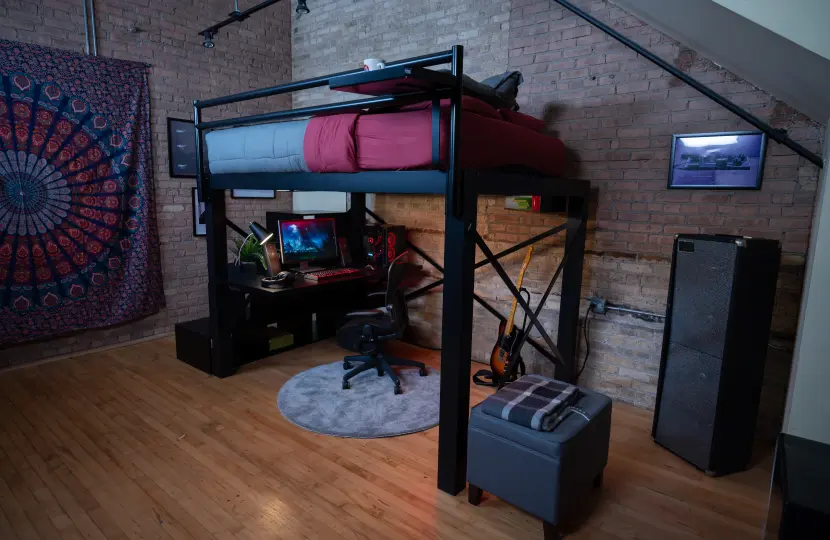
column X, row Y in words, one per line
column 79, row 247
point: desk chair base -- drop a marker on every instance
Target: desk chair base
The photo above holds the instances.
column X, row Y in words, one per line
column 383, row 364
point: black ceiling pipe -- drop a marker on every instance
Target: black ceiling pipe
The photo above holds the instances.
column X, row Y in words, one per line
column 778, row 135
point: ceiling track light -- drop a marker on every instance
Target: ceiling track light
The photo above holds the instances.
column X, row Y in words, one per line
column 238, row 16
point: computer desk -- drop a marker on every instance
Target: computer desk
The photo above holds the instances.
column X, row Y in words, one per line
column 310, row 310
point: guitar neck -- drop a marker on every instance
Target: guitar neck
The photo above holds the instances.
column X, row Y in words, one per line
column 511, row 318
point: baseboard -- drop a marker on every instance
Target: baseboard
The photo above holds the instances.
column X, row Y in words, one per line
column 101, row 349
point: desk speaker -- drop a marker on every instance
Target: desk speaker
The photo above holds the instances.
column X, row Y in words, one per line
column 719, row 311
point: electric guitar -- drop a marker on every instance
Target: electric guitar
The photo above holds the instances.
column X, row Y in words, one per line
column 508, row 334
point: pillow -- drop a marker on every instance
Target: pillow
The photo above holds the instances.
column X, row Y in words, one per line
column 499, row 93
column 506, row 86
column 523, row 120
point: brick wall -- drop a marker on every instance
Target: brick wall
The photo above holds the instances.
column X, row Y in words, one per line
column 616, row 113
column 253, row 54
column 339, row 34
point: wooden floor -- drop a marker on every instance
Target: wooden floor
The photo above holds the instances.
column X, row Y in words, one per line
column 133, row 444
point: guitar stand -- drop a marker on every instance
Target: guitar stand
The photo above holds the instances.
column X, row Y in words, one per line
column 485, row 377
column 552, row 352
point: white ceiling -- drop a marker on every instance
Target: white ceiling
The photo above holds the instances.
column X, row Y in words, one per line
column 802, row 21
column 790, row 72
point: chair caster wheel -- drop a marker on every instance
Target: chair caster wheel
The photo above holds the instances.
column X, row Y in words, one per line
column 346, row 385
column 380, row 373
column 398, row 390
column 347, row 365
column 423, row 372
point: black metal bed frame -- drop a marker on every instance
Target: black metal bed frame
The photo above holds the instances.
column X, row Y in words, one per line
column 461, row 188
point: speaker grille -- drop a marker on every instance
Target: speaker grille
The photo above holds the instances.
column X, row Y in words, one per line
column 702, row 295
column 687, row 403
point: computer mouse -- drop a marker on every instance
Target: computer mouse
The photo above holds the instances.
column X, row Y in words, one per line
column 286, row 277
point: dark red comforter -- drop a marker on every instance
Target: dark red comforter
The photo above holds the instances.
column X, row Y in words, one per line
column 403, row 140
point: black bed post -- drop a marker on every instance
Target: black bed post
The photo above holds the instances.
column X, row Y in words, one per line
column 457, row 319
column 572, row 284
column 222, row 363
column 357, row 219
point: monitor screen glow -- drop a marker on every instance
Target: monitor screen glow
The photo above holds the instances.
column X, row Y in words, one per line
column 306, row 240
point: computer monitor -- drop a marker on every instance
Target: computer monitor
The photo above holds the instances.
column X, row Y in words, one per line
column 308, row 240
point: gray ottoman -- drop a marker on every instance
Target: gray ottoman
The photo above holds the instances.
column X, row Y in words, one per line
column 547, row 474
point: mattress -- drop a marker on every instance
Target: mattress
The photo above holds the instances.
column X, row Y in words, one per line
column 400, row 140
column 275, row 147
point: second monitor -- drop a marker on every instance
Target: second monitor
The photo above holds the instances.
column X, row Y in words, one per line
column 304, row 241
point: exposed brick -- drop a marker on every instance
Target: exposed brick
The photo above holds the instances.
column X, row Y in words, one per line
column 181, row 70
column 615, row 112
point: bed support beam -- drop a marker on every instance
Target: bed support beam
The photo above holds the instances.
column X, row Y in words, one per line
column 456, row 349
column 480, row 264
column 460, row 214
column 486, row 305
column 568, row 332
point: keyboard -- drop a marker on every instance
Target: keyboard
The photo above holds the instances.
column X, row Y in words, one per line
column 331, row 273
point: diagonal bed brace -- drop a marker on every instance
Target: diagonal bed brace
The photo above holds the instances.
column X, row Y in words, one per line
column 535, row 344
column 556, row 356
column 482, row 245
column 525, row 335
column 480, row 264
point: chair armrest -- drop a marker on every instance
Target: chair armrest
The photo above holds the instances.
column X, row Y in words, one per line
column 366, row 313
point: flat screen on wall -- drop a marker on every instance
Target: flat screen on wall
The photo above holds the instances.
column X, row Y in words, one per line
column 732, row 160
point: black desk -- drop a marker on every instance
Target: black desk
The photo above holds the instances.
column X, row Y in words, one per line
column 252, row 283
column 309, row 310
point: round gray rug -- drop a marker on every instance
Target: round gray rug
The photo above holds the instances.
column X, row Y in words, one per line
column 315, row 400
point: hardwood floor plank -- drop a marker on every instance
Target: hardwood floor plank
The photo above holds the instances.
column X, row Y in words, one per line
column 200, row 440
column 67, row 507
column 133, row 444
column 6, row 530
column 86, row 513
column 17, row 518
column 229, row 439
column 112, row 490
column 25, row 494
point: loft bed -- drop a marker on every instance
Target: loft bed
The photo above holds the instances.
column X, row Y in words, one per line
column 400, row 84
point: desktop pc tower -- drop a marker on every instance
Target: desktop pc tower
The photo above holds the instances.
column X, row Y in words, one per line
column 382, row 243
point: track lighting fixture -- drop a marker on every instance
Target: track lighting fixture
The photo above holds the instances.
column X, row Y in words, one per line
column 239, row 16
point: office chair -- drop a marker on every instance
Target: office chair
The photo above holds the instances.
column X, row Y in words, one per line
column 365, row 332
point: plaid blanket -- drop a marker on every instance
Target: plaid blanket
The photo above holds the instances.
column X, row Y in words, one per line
column 532, row 401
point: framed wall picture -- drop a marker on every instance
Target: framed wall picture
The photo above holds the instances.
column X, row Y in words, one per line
column 181, row 148
column 733, row 160
column 199, row 223
column 253, row 194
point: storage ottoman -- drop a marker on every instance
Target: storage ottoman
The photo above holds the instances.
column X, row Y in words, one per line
column 547, row 474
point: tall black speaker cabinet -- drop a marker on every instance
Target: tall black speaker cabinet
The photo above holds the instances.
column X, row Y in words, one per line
column 718, row 316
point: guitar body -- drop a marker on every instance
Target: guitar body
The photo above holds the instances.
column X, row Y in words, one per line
column 502, row 351
column 502, row 355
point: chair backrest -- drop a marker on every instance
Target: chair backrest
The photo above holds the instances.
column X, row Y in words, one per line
column 395, row 297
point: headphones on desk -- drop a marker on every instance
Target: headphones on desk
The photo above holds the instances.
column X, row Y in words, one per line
column 283, row 279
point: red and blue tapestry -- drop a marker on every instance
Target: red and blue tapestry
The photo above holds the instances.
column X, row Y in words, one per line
column 79, row 246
